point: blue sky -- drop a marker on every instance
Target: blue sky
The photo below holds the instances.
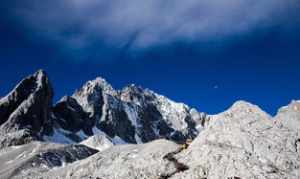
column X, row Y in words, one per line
column 206, row 54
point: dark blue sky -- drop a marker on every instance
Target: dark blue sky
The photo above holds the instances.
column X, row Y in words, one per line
column 261, row 66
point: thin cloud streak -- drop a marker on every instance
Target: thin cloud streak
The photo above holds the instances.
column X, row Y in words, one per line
column 77, row 23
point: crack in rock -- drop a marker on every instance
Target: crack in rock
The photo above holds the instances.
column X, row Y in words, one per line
column 297, row 142
column 180, row 167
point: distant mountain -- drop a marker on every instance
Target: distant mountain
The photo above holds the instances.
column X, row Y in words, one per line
column 100, row 132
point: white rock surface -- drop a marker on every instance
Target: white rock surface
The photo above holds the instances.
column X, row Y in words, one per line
column 244, row 142
column 35, row 158
column 144, row 161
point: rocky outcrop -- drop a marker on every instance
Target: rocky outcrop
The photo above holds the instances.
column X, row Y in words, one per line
column 289, row 116
column 144, row 161
column 33, row 159
column 245, row 142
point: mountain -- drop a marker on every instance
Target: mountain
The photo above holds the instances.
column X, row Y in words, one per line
column 100, row 132
column 130, row 115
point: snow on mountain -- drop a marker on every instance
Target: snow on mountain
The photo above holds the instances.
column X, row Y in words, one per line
column 99, row 142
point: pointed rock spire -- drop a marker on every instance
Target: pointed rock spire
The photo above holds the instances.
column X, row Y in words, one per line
column 27, row 106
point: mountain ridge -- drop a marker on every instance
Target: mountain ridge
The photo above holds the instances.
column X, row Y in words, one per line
column 130, row 115
column 100, row 132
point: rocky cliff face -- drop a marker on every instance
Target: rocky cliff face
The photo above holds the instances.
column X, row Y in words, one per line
column 242, row 142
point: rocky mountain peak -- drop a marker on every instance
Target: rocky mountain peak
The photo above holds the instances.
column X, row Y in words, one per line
column 90, row 95
column 246, row 108
column 26, row 107
column 30, row 88
column 95, row 86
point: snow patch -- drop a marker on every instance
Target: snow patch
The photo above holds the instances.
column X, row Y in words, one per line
column 82, row 135
column 118, row 141
column 99, row 142
column 131, row 114
column 97, row 131
column 59, row 136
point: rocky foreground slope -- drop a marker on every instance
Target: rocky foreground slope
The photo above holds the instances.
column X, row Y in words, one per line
column 99, row 132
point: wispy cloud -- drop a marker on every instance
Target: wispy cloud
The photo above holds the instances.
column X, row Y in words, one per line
column 150, row 22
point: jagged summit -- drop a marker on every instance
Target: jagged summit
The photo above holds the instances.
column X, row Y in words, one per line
column 95, row 86
column 30, row 88
column 24, row 112
column 101, row 82
column 31, row 83
column 137, row 95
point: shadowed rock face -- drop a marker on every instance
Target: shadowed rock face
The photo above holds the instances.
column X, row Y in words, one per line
column 30, row 99
column 26, row 109
column 68, row 111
